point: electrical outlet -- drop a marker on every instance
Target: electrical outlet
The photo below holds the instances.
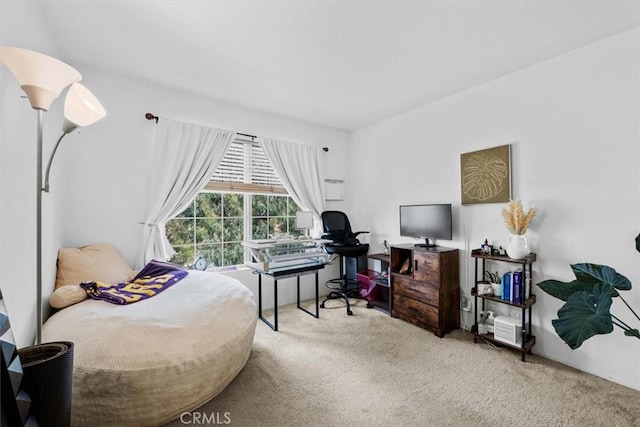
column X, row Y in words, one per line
column 465, row 304
column 515, row 313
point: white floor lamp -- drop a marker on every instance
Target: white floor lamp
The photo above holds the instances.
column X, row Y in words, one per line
column 43, row 78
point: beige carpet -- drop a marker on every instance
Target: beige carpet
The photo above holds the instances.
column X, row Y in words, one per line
column 372, row 370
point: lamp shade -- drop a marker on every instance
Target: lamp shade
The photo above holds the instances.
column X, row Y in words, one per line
column 81, row 108
column 40, row 76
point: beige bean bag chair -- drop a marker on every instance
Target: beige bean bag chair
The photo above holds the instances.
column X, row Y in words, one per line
column 144, row 364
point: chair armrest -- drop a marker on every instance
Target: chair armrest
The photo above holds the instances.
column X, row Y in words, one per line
column 359, row 232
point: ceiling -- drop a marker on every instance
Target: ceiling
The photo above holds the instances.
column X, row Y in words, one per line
column 340, row 64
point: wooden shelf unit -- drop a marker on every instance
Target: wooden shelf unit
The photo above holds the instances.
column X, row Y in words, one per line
column 383, row 301
column 528, row 340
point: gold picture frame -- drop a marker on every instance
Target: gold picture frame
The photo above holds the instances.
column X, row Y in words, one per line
column 485, row 175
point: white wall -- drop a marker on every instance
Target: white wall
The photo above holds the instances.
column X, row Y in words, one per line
column 573, row 123
column 23, row 27
column 106, row 166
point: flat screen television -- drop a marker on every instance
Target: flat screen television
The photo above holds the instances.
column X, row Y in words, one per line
column 427, row 222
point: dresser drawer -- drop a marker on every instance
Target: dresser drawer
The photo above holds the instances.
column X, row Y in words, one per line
column 416, row 312
column 425, row 292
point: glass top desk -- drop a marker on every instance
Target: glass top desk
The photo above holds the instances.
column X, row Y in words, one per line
column 282, row 259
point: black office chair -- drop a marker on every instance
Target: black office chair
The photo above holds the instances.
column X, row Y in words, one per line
column 336, row 227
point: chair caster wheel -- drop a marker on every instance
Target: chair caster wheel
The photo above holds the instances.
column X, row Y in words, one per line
column 322, row 305
column 349, row 312
column 369, row 305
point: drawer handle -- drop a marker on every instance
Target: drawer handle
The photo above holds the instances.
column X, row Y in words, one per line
column 414, row 290
column 415, row 263
column 415, row 310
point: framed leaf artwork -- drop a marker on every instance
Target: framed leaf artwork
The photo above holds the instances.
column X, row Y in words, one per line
column 486, row 175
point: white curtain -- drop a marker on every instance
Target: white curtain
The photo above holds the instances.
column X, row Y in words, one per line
column 300, row 167
column 185, row 157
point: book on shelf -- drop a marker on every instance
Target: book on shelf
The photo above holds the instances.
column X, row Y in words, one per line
column 507, row 286
column 513, row 287
column 518, row 290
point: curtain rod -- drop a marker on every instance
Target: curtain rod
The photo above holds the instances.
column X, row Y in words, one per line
column 150, row 116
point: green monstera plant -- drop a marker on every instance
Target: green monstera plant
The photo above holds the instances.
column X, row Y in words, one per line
column 588, row 300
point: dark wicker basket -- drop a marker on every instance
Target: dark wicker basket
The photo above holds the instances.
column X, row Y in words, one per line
column 48, row 378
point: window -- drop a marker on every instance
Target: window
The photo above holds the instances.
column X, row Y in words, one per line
column 212, row 226
column 273, row 215
column 244, row 200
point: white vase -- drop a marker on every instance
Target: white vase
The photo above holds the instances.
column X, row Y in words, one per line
column 517, row 247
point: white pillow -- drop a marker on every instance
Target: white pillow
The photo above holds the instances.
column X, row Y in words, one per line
column 67, row 295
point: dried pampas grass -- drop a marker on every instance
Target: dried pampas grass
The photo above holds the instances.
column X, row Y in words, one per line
column 514, row 217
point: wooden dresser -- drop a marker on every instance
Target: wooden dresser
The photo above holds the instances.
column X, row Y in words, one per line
column 425, row 287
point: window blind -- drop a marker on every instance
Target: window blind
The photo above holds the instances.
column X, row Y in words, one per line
column 246, row 168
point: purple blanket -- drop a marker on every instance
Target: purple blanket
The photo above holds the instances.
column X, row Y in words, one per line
column 154, row 278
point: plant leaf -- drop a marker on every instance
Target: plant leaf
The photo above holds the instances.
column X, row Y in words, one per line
column 584, row 316
column 632, row 333
column 595, row 273
column 563, row 290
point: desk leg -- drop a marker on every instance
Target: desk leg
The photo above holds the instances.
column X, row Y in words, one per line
column 317, row 298
column 317, row 313
column 275, row 304
column 275, row 301
column 260, row 295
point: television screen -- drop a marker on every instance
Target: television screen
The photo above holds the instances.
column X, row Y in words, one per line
column 426, row 222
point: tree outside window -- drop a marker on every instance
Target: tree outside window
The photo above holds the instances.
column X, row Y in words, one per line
column 213, row 226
